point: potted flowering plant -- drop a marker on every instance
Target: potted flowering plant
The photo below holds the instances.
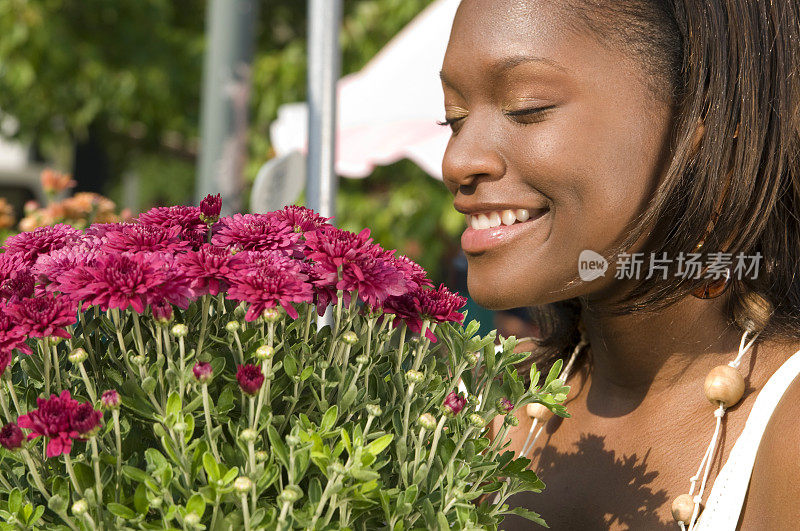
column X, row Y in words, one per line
column 169, row 374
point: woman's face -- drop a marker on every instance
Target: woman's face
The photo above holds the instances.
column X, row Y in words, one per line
column 551, row 123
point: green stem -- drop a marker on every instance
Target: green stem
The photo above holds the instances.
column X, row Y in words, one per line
column 453, row 455
column 57, row 365
column 118, row 438
column 207, row 413
column 46, row 358
column 436, row 434
column 246, row 512
column 97, row 478
column 203, row 323
column 4, row 405
column 37, row 479
column 72, row 477
column 88, row 383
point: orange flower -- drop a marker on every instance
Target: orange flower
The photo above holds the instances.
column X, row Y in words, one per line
column 6, row 214
column 54, row 182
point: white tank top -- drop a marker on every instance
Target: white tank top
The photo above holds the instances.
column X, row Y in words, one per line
column 726, row 498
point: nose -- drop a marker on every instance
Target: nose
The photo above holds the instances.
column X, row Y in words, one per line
column 471, row 156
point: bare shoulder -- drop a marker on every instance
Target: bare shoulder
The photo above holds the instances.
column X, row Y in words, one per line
column 771, row 501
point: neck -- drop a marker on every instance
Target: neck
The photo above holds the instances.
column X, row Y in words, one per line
column 650, row 354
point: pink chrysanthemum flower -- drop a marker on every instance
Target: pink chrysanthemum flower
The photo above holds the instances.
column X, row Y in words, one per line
column 5, row 359
column 301, row 219
column 250, row 379
column 42, row 240
column 45, row 315
column 203, row 371
column 145, row 238
column 435, row 305
column 186, row 218
column 101, row 230
column 10, row 264
column 129, row 280
column 440, row 305
column 207, row 268
column 19, row 285
column 61, row 419
column 256, row 232
column 11, row 437
column 12, row 336
column 49, row 267
column 349, row 262
column 415, row 274
column 266, row 280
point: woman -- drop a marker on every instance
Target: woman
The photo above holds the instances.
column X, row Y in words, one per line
column 638, row 126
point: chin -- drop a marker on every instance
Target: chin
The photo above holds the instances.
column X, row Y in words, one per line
column 523, row 289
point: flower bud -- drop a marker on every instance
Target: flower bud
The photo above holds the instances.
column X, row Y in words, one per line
column 427, row 421
column 293, row 440
column 250, row 379
column 203, row 372
column 454, row 403
column 350, row 338
column 78, row 356
column 264, row 352
column 156, row 502
column 139, row 360
column 272, row 315
column 80, row 507
column 180, row 330
column 242, row 485
column 248, row 435
column 511, row 420
column 374, row 410
column 291, row 493
column 232, row 326
column 179, row 427
column 11, row 437
column 362, row 359
column 504, row 405
column 476, row 420
column 262, row 456
column 191, row 519
column 110, row 400
column 210, row 208
column 323, row 364
column 473, row 358
column 414, row 376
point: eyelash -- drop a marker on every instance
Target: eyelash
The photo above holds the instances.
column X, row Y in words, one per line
column 537, row 112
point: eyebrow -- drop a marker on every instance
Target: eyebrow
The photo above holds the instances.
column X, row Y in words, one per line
column 508, row 63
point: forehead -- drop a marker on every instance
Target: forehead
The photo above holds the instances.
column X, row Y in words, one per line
column 515, row 26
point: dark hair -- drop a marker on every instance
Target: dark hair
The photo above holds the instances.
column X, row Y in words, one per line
column 731, row 68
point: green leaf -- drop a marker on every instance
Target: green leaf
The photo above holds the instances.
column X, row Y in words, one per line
column 120, row 510
column 306, row 374
column 196, row 505
column 134, row 473
column 36, row 515
column 211, row 467
column 554, row 370
column 278, row 448
column 140, row 502
column 14, row 501
column 530, row 515
column 290, row 366
column 329, row 418
column 173, row 404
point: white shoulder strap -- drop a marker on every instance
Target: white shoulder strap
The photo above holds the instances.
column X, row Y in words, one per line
column 725, row 501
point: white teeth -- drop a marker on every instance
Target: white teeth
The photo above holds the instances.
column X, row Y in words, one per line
column 492, row 220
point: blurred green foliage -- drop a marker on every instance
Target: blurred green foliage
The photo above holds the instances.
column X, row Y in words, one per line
column 132, row 70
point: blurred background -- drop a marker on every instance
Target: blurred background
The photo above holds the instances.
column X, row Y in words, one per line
column 131, row 104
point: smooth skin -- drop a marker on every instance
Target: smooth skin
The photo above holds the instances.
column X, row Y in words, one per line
column 545, row 115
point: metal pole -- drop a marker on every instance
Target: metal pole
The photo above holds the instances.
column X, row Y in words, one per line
column 324, row 69
column 226, row 91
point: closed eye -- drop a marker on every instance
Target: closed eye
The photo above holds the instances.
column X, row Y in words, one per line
column 529, row 116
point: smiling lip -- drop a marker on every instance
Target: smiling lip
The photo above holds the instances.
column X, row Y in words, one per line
column 475, row 241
